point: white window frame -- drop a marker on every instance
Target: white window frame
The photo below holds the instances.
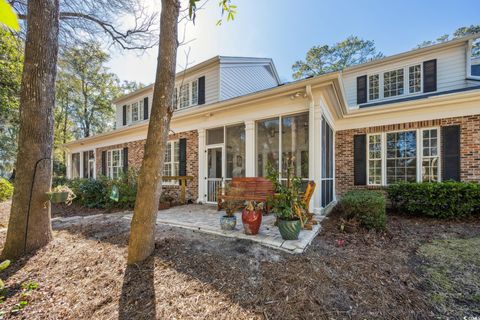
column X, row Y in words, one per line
column 91, row 164
column 190, row 88
column 110, row 160
column 130, row 107
column 419, row 157
column 135, row 107
column 171, row 145
column 382, row 158
column 403, row 82
column 406, row 81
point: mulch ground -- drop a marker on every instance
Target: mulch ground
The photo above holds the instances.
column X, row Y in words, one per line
column 82, row 274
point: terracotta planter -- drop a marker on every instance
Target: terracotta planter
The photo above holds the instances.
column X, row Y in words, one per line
column 228, row 223
column 251, row 221
column 289, row 229
column 57, row 197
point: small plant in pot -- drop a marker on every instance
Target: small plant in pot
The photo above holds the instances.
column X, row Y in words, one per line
column 252, row 217
column 287, row 206
column 165, row 201
column 229, row 220
column 61, row 194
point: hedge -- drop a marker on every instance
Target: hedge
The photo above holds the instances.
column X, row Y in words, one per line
column 6, row 190
column 366, row 206
column 436, row 199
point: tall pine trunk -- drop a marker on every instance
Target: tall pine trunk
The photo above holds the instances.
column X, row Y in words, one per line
column 29, row 227
column 142, row 235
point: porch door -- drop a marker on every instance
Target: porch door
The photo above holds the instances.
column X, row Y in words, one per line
column 214, row 172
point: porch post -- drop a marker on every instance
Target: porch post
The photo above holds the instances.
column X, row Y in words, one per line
column 250, row 148
column 201, row 166
column 317, row 159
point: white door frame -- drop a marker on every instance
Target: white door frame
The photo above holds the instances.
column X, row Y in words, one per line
column 207, row 179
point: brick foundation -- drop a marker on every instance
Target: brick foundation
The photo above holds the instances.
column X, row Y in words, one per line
column 135, row 156
column 469, row 148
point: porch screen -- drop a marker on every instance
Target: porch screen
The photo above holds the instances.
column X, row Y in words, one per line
column 75, row 165
column 235, row 147
column 327, row 164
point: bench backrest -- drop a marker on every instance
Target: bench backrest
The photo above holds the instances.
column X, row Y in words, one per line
column 253, row 186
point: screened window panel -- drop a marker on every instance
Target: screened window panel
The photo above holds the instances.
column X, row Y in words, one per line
column 215, row 136
column 235, row 149
column 268, row 142
column 295, row 145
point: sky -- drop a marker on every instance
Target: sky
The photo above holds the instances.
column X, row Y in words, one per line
column 285, row 30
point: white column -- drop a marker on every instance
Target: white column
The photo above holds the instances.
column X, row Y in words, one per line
column 317, row 159
column 201, row 166
column 81, row 165
column 250, row 148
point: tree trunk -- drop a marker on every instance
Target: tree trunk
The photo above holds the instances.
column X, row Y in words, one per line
column 29, row 227
column 142, row 235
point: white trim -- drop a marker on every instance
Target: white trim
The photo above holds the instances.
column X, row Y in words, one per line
column 109, row 155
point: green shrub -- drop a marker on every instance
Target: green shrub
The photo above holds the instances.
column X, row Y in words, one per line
column 6, row 190
column 436, row 199
column 96, row 193
column 366, row 206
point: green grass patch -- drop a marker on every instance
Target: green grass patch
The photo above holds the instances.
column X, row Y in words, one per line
column 452, row 272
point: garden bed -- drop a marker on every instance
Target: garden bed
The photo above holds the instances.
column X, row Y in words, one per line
column 82, row 274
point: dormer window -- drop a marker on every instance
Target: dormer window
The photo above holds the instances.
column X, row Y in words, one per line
column 135, row 112
column 186, row 95
column 398, row 82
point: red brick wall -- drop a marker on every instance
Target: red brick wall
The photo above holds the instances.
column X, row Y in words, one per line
column 469, row 148
column 135, row 156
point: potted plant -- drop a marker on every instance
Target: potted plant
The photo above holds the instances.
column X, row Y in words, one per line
column 61, row 194
column 287, row 206
column 165, row 201
column 252, row 217
column 228, row 221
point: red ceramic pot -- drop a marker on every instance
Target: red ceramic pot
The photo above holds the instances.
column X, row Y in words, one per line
column 251, row 221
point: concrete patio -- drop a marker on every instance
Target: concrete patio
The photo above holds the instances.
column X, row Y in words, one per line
column 206, row 218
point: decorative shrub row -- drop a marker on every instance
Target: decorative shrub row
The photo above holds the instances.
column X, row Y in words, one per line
column 96, row 193
column 436, row 199
column 6, row 190
column 366, row 206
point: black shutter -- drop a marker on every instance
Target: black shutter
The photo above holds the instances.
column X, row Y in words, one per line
column 361, row 89
column 125, row 115
column 182, row 157
column 430, row 75
column 104, row 163
column 201, row 90
column 85, row 164
column 125, row 159
column 360, row 160
column 451, row 153
column 145, row 108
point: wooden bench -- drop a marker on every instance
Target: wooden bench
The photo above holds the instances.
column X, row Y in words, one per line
column 247, row 189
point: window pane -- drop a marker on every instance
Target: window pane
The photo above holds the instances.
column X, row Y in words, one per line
column 393, row 83
column 76, row 165
column 235, row 146
column 184, row 95
column 194, row 92
column 373, row 87
column 295, row 145
column 415, row 78
column 267, row 145
column 215, row 136
column 430, row 156
column 402, row 156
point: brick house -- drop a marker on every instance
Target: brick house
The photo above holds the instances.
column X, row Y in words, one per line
column 414, row 116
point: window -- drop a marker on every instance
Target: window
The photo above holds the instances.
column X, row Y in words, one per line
column 135, row 112
column 114, row 163
column 393, row 156
column 215, row 136
column 373, row 87
column 194, row 92
column 415, row 78
column 75, row 165
column 327, row 179
column 172, row 161
column 184, row 95
column 430, row 156
column 88, row 164
column 401, row 156
column 288, row 150
column 175, row 99
column 393, row 83
column 375, row 159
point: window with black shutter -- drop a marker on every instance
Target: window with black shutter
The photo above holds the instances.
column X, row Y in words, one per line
column 201, row 90
column 125, row 159
column 361, row 89
column 182, row 157
column 451, row 153
column 145, row 108
column 124, row 121
column 104, row 163
column 360, row 159
column 430, row 75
